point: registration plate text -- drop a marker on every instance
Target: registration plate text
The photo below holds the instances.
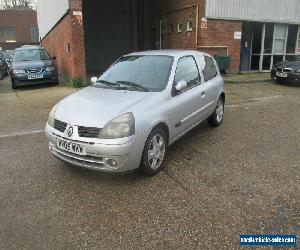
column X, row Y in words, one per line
column 281, row 74
column 70, row 147
column 35, row 76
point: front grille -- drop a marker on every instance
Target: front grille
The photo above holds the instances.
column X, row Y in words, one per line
column 84, row 161
column 35, row 71
column 60, row 126
column 279, row 69
column 286, row 70
column 88, row 132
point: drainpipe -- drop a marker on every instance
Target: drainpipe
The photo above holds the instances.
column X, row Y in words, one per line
column 197, row 24
column 160, row 34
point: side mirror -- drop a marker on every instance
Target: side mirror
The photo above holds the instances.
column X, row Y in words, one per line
column 94, row 79
column 181, row 86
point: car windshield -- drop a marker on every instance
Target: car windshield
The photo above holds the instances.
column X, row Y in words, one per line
column 141, row 73
column 31, row 55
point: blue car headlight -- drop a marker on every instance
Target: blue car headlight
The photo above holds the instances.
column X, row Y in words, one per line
column 18, row 71
column 49, row 69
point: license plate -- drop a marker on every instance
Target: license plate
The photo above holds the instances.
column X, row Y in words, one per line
column 36, row 76
column 70, row 147
column 281, row 74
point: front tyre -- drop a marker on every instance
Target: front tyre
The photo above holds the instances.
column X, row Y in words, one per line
column 216, row 119
column 13, row 84
column 154, row 152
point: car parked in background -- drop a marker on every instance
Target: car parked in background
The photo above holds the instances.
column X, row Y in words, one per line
column 8, row 56
column 3, row 67
column 287, row 71
column 131, row 114
column 32, row 65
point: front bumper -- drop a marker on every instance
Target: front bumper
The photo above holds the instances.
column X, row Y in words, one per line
column 22, row 79
column 126, row 152
column 291, row 78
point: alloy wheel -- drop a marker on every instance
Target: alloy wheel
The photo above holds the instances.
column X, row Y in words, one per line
column 220, row 111
column 156, row 151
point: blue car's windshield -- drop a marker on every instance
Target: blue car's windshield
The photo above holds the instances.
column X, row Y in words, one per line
column 31, row 55
column 143, row 73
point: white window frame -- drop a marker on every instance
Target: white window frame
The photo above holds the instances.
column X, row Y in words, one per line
column 272, row 54
column 280, row 38
column 298, row 42
column 179, row 27
column 189, row 25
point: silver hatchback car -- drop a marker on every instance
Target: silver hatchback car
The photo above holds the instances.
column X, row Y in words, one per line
column 130, row 115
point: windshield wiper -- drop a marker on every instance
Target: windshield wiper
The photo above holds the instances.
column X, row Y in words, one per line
column 111, row 84
column 132, row 84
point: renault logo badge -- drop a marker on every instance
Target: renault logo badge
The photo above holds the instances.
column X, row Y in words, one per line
column 70, row 131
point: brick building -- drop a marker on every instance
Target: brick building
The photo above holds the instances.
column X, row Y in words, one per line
column 86, row 36
column 18, row 27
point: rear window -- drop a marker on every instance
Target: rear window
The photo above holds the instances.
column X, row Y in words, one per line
column 31, row 55
column 209, row 68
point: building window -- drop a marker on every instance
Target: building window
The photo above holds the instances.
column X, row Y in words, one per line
column 189, row 26
column 8, row 34
column 179, row 27
column 298, row 47
column 291, row 43
column 272, row 43
column 34, row 34
column 163, row 29
column 279, row 38
column 170, row 28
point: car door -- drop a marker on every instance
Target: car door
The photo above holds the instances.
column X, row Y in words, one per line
column 212, row 82
column 185, row 107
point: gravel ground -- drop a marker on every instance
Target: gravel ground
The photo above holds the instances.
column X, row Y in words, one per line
column 243, row 177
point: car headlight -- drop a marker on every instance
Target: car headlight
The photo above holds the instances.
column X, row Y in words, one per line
column 18, row 71
column 51, row 117
column 120, row 127
column 50, row 68
column 298, row 71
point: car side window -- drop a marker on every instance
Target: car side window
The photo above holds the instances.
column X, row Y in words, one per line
column 209, row 68
column 187, row 70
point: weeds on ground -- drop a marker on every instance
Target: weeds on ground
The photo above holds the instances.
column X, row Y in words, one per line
column 77, row 82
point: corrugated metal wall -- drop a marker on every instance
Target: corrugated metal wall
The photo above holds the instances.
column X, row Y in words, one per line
column 280, row 11
column 49, row 12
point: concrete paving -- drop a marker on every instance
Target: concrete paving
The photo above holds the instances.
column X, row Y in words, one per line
column 243, row 177
column 5, row 85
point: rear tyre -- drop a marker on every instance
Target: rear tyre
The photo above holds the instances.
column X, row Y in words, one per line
column 216, row 119
column 154, row 152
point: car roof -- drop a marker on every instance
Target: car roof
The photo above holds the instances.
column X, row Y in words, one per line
column 173, row 53
column 25, row 47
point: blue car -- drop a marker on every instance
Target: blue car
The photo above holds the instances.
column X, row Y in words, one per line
column 32, row 65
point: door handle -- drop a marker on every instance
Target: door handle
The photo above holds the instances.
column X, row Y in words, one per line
column 203, row 94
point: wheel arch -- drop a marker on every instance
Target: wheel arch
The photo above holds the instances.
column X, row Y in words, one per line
column 223, row 96
column 165, row 128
